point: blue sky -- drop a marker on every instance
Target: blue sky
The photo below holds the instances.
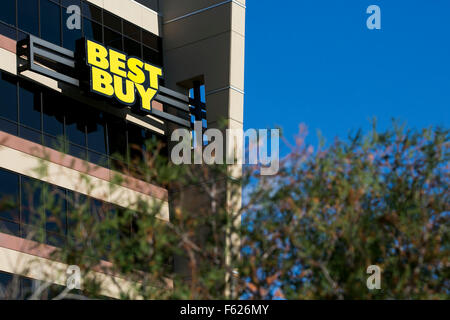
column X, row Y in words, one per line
column 334, row 74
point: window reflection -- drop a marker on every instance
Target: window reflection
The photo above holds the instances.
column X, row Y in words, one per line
column 27, row 16
column 9, row 191
column 50, row 22
column 92, row 30
column 8, row 93
column 8, row 12
column 113, row 39
column 30, row 106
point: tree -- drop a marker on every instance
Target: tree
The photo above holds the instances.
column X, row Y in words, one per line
column 309, row 232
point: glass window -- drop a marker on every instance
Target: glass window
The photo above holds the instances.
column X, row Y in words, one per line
column 113, row 39
column 75, row 123
column 117, row 132
column 29, row 106
column 9, row 196
column 8, row 12
column 92, row 30
column 92, row 12
column 9, row 227
column 50, row 22
column 55, row 208
column 8, row 93
column 112, row 21
column 8, row 126
column 151, row 56
column 137, row 137
column 32, row 201
column 7, row 31
column 70, row 36
column 53, row 116
column 96, row 131
column 132, row 31
column 30, row 134
column 151, row 40
column 132, row 48
column 27, row 16
column 68, row 3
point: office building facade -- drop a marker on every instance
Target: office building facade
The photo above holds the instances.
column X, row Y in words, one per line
column 50, row 112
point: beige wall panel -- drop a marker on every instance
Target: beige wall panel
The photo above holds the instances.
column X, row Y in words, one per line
column 238, row 19
column 237, row 61
column 8, row 61
column 71, row 179
column 55, row 272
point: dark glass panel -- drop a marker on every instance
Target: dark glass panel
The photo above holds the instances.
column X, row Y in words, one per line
column 30, row 134
column 9, row 195
column 54, row 143
column 28, row 16
column 117, row 132
column 75, row 122
column 151, row 40
column 21, row 36
column 55, row 209
column 53, row 115
column 50, row 22
column 113, row 39
column 55, row 240
column 132, row 48
column 98, row 159
column 68, row 3
column 8, row 31
column 97, row 209
column 77, row 206
column 6, row 280
column 8, row 126
column 8, row 11
column 132, row 31
column 137, row 137
column 29, row 106
column 112, row 21
column 76, row 151
column 92, row 30
column 32, row 202
column 11, row 228
column 152, row 56
column 91, row 11
column 34, row 233
column 70, row 36
column 96, row 129
column 8, row 94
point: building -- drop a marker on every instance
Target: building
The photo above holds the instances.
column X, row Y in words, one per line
column 196, row 44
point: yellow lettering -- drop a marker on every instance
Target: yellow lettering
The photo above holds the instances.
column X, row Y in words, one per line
column 128, row 96
column 117, row 63
column 102, row 82
column 146, row 96
column 154, row 73
column 97, row 55
column 136, row 74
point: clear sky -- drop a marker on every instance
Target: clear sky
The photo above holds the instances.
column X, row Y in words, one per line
column 316, row 62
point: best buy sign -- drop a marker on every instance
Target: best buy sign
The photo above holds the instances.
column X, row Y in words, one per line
column 115, row 74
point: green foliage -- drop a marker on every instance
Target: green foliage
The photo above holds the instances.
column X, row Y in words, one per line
column 380, row 199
